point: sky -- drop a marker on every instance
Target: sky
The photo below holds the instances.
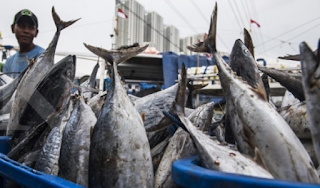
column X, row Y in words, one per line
column 284, row 24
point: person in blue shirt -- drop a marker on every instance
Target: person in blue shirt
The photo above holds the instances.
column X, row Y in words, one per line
column 25, row 28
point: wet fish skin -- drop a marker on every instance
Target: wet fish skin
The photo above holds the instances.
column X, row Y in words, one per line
column 158, row 151
column 310, row 81
column 152, row 105
column 4, row 79
column 202, row 116
column 244, row 65
column 49, row 99
column 34, row 76
column 6, row 91
column 119, row 150
column 215, row 156
column 280, row 148
column 180, row 146
column 97, row 102
column 289, row 99
column 297, row 118
column 75, row 146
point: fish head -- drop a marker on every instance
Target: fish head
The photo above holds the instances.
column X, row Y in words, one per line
column 243, row 63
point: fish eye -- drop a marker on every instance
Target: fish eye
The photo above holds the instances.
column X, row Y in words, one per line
column 246, row 51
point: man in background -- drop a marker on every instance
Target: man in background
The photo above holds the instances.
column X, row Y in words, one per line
column 25, row 28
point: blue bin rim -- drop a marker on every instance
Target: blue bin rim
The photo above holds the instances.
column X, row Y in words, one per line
column 187, row 173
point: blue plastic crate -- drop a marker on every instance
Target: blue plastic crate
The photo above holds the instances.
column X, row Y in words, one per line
column 188, row 174
column 25, row 176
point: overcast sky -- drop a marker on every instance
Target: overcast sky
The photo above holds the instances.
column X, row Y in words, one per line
column 284, row 23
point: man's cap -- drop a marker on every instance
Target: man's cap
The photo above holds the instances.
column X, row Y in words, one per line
column 28, row 13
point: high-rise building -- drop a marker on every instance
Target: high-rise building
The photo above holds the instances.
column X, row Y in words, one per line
column 131, row 29
column 153, row 30
column 171, row 40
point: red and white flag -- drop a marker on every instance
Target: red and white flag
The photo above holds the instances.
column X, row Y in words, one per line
column 122, row 14
column 252, row 21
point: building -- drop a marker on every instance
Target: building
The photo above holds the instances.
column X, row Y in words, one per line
column 153, row 30
column 131, row 29
column 171, row 41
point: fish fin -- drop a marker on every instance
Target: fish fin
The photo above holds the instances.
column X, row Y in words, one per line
column 248, row 41
column 116, row 56
column 260, row 91
column 258, row 158
column 60, row 23
column 143, row 116
column 199, row 47
column 212, row 35
column 209, row 45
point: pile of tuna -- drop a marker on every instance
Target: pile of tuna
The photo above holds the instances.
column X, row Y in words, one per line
column 112, row 139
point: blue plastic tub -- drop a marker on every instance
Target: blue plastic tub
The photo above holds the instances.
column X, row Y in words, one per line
column 25, row 176
column 188, row 174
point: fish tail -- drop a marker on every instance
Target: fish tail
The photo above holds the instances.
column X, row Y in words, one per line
column 60, row 24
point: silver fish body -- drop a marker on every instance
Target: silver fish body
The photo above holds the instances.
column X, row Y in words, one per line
column 6, row 91
column 310, row 80
column 97, row 102
column 5, row 79
column 281, row 150
column 75, row 147
column 297, row 118
column 50, row 98
column 119, row 150
column 202, row 116
column 180, row 146
column 215, row 156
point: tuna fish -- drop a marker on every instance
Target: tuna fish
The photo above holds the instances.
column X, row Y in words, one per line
column 75, row 147
column 180, row 146
column 119, row 150
column 281, row 150
column 215, row 156
column 310, row 77
column 49, row 99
